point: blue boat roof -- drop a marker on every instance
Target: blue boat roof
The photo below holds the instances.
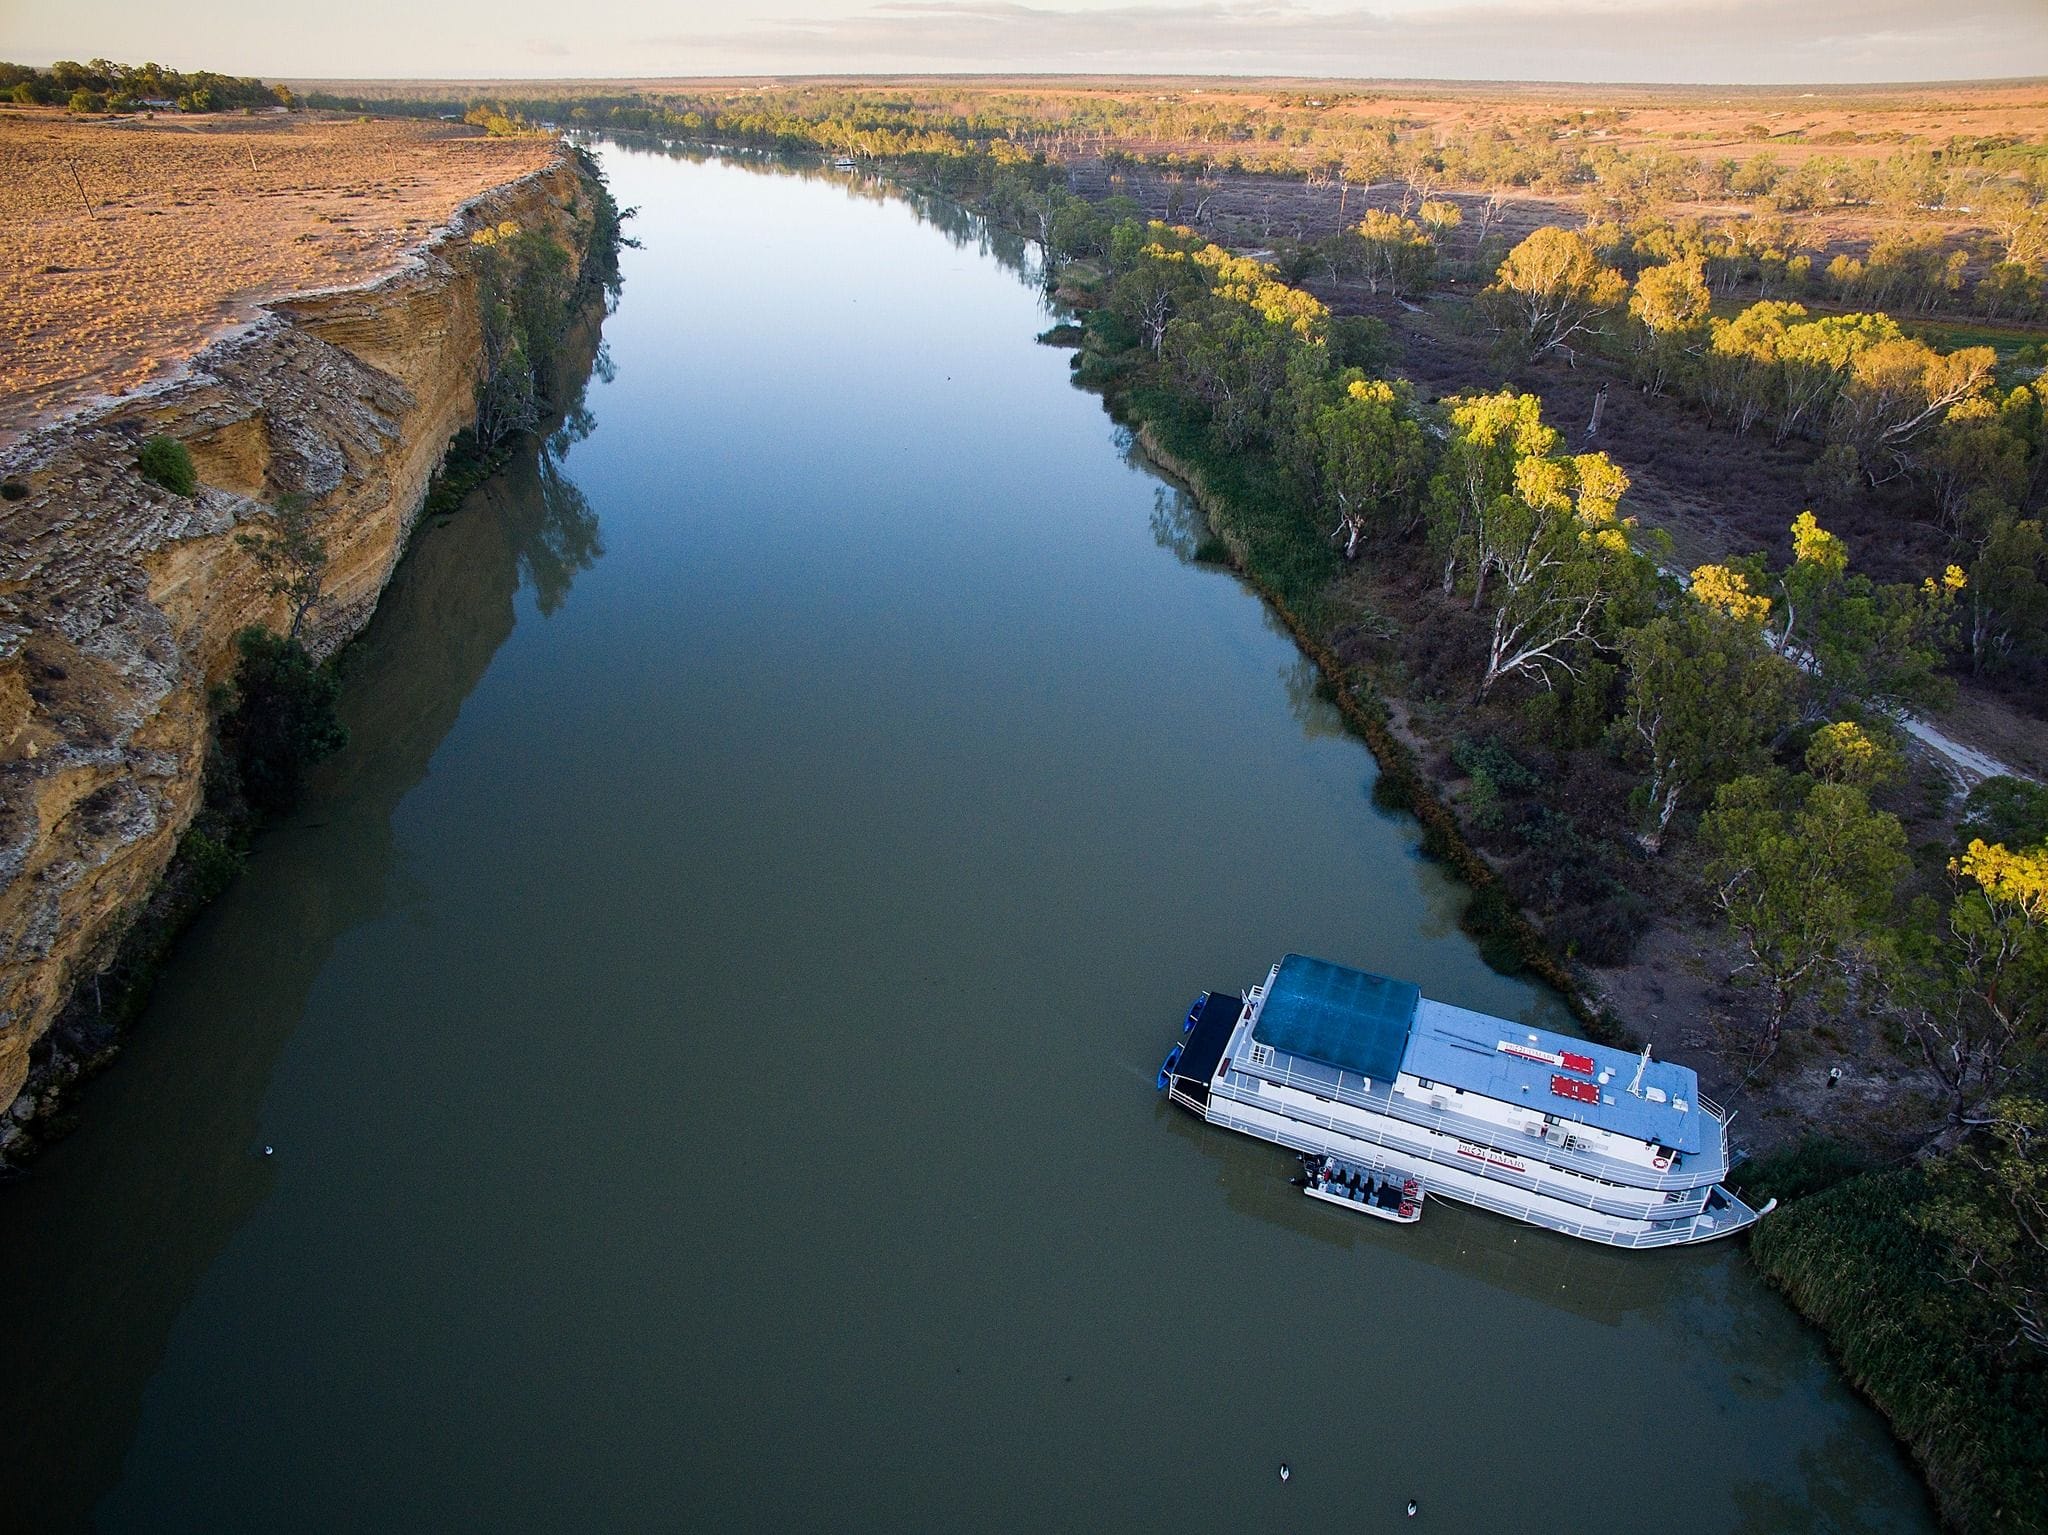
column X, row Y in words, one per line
column 1462, row 1049
column 1337, row 1015
column 1379, row 1028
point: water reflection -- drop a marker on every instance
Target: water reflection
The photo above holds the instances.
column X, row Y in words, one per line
column 1465, row 1245
column 963, row 228
column 169, row 1191
column 565, row 540
column 1179, row 524
column 1308, row 698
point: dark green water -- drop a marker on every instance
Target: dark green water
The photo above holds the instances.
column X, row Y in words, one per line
column 707, row 1021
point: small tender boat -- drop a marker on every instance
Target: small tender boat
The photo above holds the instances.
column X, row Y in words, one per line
column 1389, row 1195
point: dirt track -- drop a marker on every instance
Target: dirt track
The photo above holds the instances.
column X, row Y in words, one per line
column 126, row 244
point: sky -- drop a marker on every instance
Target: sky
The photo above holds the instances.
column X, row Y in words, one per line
column 1682, row 41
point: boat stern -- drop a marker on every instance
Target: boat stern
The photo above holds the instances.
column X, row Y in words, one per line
column 1190, row 1066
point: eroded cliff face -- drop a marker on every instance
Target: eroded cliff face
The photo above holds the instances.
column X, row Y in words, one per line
column 119, row 601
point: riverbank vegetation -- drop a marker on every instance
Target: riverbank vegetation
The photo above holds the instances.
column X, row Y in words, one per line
column 1744, row 714
column 1935, row 1333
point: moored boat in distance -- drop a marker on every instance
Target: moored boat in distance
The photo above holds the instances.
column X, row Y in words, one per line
column 1560, row 1132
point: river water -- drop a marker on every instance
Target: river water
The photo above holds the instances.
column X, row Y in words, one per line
column 706, row 1021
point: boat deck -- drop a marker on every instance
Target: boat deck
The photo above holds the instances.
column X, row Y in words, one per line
column 1724, row 1215
column 1206, row 1035
column 1337, row 1086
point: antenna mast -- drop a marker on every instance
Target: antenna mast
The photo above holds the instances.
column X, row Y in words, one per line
column 1635, row 1085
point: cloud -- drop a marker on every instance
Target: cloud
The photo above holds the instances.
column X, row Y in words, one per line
column 1694, row 41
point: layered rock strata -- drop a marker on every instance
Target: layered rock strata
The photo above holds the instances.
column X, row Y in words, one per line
column 120, row 601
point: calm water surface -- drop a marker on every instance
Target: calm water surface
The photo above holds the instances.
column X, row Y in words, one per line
column 707, row 1020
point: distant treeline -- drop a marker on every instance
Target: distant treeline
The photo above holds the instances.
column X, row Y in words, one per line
column 1997, row 185
column 104, row 86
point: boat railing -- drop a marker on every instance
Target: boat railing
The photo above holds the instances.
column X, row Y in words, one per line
column 1372, row 1136
column 1490, row 1136
column 1686, row 1230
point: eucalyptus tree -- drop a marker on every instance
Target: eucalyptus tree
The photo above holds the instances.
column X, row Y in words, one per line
column 1485, row 437
column 292, row 557
column 1971, row 978
column 1668, row 311
column 1552, row 292
column 1804, row 871
column 1560, row 552
column 1366, row 455
column 1706, row 698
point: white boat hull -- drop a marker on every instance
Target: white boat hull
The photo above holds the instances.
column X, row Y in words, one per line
column 1537, row 1209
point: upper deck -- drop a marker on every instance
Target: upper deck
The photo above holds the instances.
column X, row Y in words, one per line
column 1360, row 1040
column 1517, row 1063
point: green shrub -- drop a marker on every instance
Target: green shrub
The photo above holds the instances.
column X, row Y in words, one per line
column 1393, row 791
column 1815, row 1164
column 13, row 490
column 1490, row 919
column 1930, row 1352
column 164, row 461
column 1358, row 341
column 1110, row 331
column 209, row 864
column 1495, row 774
column 282, row 721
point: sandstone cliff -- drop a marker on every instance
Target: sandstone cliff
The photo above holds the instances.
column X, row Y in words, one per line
column 119, row 601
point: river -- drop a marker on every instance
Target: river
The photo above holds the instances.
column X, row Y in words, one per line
column 705, row 1024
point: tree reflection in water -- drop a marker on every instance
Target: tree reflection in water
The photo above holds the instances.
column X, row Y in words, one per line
column 163, row 1196
column 563, row 538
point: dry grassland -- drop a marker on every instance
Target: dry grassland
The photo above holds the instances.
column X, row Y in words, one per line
column 126, row 244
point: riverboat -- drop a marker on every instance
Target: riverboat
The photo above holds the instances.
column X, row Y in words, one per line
column 1555, row 1131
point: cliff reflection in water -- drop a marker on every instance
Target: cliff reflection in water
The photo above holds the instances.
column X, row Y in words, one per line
column 92, row 1285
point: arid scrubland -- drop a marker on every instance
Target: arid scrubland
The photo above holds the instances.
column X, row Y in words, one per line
column 127, row 243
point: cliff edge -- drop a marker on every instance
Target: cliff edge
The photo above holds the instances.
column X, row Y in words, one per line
column 120, row 601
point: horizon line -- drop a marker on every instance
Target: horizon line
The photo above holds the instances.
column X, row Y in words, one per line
column 1178, row 75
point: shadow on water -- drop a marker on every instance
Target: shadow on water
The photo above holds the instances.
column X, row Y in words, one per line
column 170, row 1191
column 1460, row 1244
